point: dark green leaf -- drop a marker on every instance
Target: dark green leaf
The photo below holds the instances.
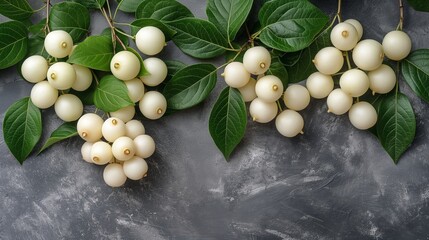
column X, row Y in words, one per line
column 22, row 128
column 71, row 17
column 415, row 69
column 95, row 52
column 277, row 69
column 198, row 38
column 143, row 70
column 190, row 86
column 37, row 29
column 91, row 4
column 419, row 5
column 302, row 62
column 174, row 66
column 228, row 121
column 143, row 22
column 65, row 131
column 16, row 9
column 36, row 46
column 162, row 10
column 228, row 15
column 87, row 96
column 129, row 5
column 13, row 43
column 290, row 25
column 111, row 94
column 396, row 125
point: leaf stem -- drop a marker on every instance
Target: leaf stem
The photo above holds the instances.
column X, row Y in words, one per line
column 40, row 9
column 108, row 8
column 339, row 11
column 112, row 29
column 401, row 16
column 122, row 24
column 125, row 34
column 116, row 10
column 398, row 71
column 46, row 28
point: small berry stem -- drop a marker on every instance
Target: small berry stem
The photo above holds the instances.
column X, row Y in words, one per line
column 279, row 105
column 116, row 10
column 46, row 28
column 108, row 8
column 95, row 77
column 125, row 34
column 112, row 29
column 40, row 9
column 401, row 15
column 346, row 55
column 339, row 11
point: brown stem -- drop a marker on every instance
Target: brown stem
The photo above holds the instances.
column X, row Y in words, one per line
column 401, row 15
column 113, row 31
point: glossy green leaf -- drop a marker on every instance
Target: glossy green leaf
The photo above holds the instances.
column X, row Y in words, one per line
column 278, row 69
column 95, row 52
column 228, row 120
column 396, row 125
column 91, row 4
column 415, row 69
column 143, row 70
column 190, row 86
column 71, row 17
column 198, row 38
column 22, row 128
column 111, row 94
column 37, row 30
column 162, row 10
column 65, row 131
column 143, row 22
column 36, row 46
column 129, row 5
column 303, row 64
column 419, row 5
column 174, row 66
column 13, row 43
column 16, row 9
column 290, row 25
column 228, row 15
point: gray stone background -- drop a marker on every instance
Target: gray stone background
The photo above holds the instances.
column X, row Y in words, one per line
column 333, row 182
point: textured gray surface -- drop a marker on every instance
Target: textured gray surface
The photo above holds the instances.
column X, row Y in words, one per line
column 334, row 182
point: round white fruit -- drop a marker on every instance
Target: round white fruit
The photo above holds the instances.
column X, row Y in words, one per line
column 135, row 89
column 101, row 153
column 123, row 148
column 319, row 85
column 339, row 102
column 125, row 114
column 150, row 40
column 362, row 115
column 296, row 97
column 89, row 127
column 396, row 45
column 134, row 128
column 43, row 95
column 114, row 175
column 112, row 129
column 248, row 91
column 61, row 75
column 125, row 65
column 289, row 123
column 262, row 111
column 236, row 75
column 153, row 105
column 368, row 55
column 34, row 69
column 382, row 80
column 58, row 43
column 344, row 36
column 135, row 168
column 357, row 25
column 83, row 78
column 257, row 60
column 354, row 82
column 68, row 107
column 329, row 60
column 269, row 88
column 86, row 151
column 157, row 71
column 145, row 146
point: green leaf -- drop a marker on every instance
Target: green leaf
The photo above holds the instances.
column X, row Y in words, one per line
column 419, row 5
column 108, row 32
column 65, row 131
column 174, row 66
column 396, row 125
column 190, row 86
column 290, row 25
column 36, row 46
column 91, row 4
column 13, row 43
column 71, row 17
column 162, row 10
column 111, row 94
column 36, row 30
column 415, row 70
column 143, row 70
column 228, row 15
column 277, row 69
column 227, row 122
column 198, row 38
column 22, row 128
column 95, row 52
column 143, row 22
column 129, row 5
column 303, row 65
column 87, row 96
column 16, row 9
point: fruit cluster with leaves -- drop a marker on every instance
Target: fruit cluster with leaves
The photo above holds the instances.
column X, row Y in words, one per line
column 283, row 40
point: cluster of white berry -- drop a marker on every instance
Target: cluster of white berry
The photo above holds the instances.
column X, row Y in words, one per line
column 371, row 73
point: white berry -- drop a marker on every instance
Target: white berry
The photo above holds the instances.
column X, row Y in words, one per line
column 362, row 115
column 368, row 55
column 125, row 65
column 58, row 43
column 296, row 97
column 101, row 153
column 68, row 107
column 262, row 111
column 153, row 105
column 123, row 148
column 289, row 123
column 344, row 36
column 89, row 127
column 135, row 168
column 86, row 151
column 319, row 85
column 134, row 128
column 61, row 75
column 354, row 82
column 382, row 80
column 396, row 45
column 339, row 102
column 357, row 25
column 236, row 75
column 114, row 175
column 135, row 89
column 43, row 95
column 34, row 69
column 83, row 78
column 329, row 60
column 112, row 129
column 125, row 114
column 257, row 60
column 145, row 146
column 157, row 71
column 150, row 40
column 269, row 88
column 248, row 91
